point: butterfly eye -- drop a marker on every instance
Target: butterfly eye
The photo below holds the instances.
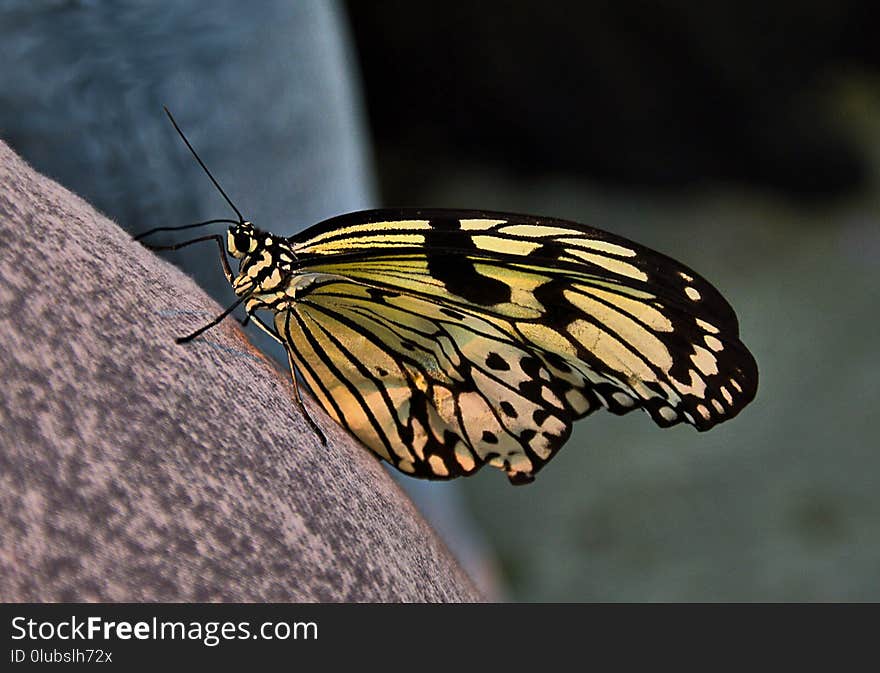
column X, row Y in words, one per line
column 242, row 241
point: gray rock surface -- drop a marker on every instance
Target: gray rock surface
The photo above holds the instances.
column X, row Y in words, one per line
column 134, row 469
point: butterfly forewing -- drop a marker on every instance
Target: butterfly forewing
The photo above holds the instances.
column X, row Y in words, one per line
column 449, row 339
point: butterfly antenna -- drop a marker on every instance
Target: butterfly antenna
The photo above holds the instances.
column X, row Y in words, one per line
column 202, row 164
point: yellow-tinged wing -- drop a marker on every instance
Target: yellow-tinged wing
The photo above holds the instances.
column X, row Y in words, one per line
column 448, row 339
column 436, row 395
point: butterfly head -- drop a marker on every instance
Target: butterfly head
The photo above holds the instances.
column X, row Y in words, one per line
column 241, row 240
column 261, row 266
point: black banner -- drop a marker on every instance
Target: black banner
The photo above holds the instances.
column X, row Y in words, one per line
column 105, row 635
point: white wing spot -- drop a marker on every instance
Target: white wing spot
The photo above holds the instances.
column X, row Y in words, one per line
column 438, row 467
column 541, row 446
column 611, row 264
column 727, row 395
column 707, row 326
column 535, row 231
column 668, row 413
column 603, row 246
column 549, row 396
column 703, row 411
column 696, row 386
column 479, row 225
column 464, row 457
column 420, row 438
column 705, row 361
column 520, row 463
column 692, row 293
column 497, row 461
column 685, row 276
column 713, row 343
column 504, row 245
column 623, row 399
column 718, row 406
column 577, row 401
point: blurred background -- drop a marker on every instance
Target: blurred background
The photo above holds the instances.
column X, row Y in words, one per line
column 742, row 138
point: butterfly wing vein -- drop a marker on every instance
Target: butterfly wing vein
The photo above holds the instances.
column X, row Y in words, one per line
column 448, row 341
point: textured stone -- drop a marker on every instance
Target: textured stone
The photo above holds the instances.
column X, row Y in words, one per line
column 135, row 469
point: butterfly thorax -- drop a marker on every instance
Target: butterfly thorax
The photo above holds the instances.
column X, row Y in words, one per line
column 265, row 262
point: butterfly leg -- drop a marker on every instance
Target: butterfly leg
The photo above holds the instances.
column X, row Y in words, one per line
column 293, row 373
column 227, row 270
column 262, row 325
column 215, row 321
column 299, row 400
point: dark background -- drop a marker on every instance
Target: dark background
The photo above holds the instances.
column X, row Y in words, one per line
column 740, row 137
column 664, row 96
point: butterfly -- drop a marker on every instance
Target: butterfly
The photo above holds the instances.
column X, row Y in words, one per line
column 445, row 340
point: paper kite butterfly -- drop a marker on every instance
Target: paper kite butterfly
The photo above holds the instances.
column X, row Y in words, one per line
column 445, row 340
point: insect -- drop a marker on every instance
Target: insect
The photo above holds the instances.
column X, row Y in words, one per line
column 445, row 340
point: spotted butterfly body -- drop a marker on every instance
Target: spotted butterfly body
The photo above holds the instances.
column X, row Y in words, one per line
column 445, row 340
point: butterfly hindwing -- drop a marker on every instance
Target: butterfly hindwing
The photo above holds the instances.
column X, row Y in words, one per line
column 436, row 392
